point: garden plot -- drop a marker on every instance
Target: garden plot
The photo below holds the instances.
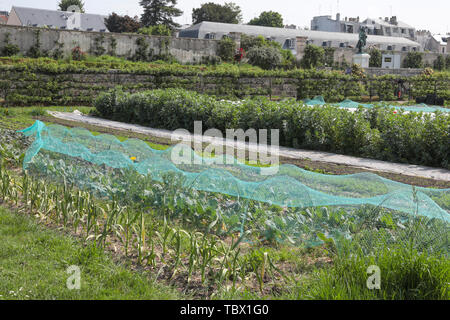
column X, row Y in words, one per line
column 277, row 207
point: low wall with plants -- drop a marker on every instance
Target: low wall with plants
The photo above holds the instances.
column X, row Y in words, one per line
column 45, row 81
column 377, row 133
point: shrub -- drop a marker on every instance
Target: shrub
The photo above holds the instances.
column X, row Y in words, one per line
column 78, row 54
column 439, row 63
column 376, row 58
column 226, row 49
column 413, row 60
column 9, row 49
column 376, row 133
column 158, row 30
column 313, row 57
column 265, row 57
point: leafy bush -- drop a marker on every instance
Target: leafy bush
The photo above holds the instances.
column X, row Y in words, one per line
column 313, row 57
column 265, row 57
column 78, row 54
column 226, row 49
column 9, row 49
column 413, row 60
column 376, row 58
column 376, row 133
column 439, row 63
column 158, row 30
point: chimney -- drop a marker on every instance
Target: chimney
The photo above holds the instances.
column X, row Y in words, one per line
column 338, row 17
column 357, row 19
column 394, row 20
column 345, row 18
column 386, row 19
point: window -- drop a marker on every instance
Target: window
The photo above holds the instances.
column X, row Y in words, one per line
column 403, row 31
column 210, row 36
column 325, row 44
column 404, row 49
column 387, row 59
column 291, row 43
column 414, row 49
column 390, row 48
column 341, row 45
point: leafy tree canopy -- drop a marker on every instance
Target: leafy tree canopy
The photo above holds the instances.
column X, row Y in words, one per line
column 65, row 4
column 268, row 19
column 119, row 24
column 228, row 13
column 158, row 12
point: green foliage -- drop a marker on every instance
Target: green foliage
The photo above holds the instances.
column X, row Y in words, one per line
column 313, row 57
column 329, row 56
column 35, row 50
column 405, row 274
column 213, row 12
column 78, row 54
column 447, row 61
column 413, row 60
column 439, row 63
column 375, row 58
column 268, row 19
column 98, row 49
column 9, row 49
column 157, row 30
column 226, row 49
column 376, row 133
column 119, row 24
column 265, row 57
column 158, row 12
column 248, row 42
column 65, row 4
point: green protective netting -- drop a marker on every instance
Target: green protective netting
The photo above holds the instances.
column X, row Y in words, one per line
column 290, row 186
column 349, row 104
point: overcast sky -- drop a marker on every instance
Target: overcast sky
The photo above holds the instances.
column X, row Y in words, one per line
column 433, row 15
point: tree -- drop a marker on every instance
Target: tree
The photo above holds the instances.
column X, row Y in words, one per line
column 119, row 24
column 413, row 60
column 439, row 63
column 65, row 4
column 160, row 12
column 375, row 58
column 447, row 62
column 313, row 58
column 265, row 57
column 268, row 19
column 228, row 13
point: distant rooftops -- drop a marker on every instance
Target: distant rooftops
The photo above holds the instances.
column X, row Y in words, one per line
column 56, row 19
column 280, row 34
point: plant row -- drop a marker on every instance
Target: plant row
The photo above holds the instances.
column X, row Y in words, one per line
column 378, row 133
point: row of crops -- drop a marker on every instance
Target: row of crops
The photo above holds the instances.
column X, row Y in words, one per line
column 200, row 235
column 378, row 132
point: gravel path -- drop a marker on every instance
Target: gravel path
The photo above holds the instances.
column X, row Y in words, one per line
column 363, row 163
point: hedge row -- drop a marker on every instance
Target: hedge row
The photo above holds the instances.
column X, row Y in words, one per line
column 377, row 133
column 26, row 81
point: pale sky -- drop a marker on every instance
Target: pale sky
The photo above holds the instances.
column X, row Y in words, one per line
column 433, row 15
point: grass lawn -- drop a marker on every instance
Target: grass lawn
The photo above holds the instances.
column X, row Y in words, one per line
column 34, row 261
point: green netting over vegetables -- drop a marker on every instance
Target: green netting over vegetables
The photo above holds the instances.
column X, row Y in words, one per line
column 293, row 204
column 349, row 104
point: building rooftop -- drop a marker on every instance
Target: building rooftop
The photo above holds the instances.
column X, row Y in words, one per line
column 280, row 34
column 58, row 19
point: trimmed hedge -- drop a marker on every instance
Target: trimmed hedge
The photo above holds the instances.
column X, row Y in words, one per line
column 50, row 82
column 377, row 133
